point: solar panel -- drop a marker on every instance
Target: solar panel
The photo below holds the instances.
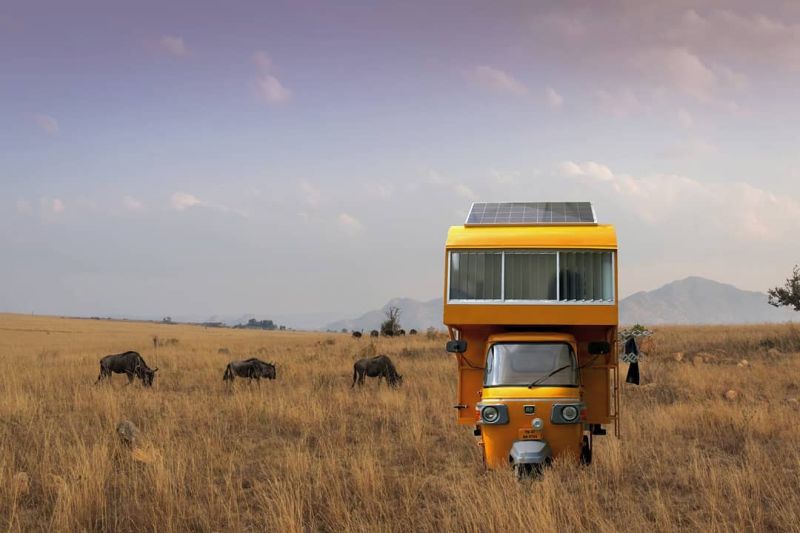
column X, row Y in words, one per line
column 530, row 214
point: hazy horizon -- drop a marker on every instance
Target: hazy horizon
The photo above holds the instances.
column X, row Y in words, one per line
column 291, row 158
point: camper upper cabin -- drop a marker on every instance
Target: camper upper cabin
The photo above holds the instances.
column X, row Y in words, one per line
column 531, row 264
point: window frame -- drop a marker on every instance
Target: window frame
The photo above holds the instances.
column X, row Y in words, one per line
column 503, row 301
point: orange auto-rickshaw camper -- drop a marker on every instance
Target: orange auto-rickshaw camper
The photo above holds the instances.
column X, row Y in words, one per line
column 531, row 305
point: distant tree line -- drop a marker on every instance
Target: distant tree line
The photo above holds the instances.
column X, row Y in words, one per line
column 259, row 324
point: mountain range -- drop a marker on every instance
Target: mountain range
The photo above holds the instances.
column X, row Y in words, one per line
column 693, row 300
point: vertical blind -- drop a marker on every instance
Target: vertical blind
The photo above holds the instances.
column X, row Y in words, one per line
column 585, row 276
column 530, row 276
column 567, row 276
column 475, row 275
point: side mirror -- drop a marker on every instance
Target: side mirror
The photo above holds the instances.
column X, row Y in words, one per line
column 599, row 348
column 459, row 346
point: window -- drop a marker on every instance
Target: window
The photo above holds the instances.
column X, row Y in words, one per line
column 530, row 276
column 475, row 275
column 525, row 363
column 515, row 276
column 585, row 276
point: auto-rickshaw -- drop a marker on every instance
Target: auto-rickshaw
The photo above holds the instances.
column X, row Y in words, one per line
column 531, row 307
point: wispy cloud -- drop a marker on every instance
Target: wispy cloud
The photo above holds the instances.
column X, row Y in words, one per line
column 554, row 98
column 181, row 201
column 311, row 194
column 51, row 206
column 272, row 90
column 735, row 210
column 350, row 224
column 47, row 123
column 132, row 204
column 496, row 80
column 268, row 87
column 174, row 46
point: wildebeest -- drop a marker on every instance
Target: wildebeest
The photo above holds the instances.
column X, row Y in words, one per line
column 412, row 332
column 356, row 334
column 251, row 368
column 129, row 363
column 402, row 332
column 374, row 333
column 379, row 366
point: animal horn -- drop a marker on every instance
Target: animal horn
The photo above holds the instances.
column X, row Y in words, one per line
column 155, row 369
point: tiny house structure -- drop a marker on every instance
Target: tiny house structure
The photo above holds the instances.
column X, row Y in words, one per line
column 531, row 306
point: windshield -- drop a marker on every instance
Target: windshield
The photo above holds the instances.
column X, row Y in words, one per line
column 526, row 363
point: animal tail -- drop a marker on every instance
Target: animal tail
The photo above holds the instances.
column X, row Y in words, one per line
column 355, row 376
column 228, row 373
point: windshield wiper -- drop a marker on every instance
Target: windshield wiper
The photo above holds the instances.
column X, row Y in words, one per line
column 551, row 374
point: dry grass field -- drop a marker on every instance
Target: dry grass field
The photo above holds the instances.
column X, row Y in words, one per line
column 308, row 453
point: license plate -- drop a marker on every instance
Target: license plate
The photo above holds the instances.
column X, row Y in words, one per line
column 530, row 434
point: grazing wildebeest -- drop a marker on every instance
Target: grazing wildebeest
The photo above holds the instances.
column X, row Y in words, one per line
column 129, row 363
column 412, row 332
column 251, row 368
column 374, row 333
column 356, row 334
column 379, row 366
column 402, row 332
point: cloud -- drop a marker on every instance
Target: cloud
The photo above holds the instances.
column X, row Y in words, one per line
column 731, row 35
column 268, row 87
column 51, row 206
column 679, row 69
column 48, row 124
column 272, row 91
column 132, row 204
column 554, row 99
column 350, row 224
column 463, row 190
column 181, row 201
column 262, row 60
column 379, row 189
column 620, row 102
column 174, row 45
column 496, row 80
column 444, row 182
column 681, row 204
column 311, row 194
column 505, row 178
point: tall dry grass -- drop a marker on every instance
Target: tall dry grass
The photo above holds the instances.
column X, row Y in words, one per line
column 308, row 453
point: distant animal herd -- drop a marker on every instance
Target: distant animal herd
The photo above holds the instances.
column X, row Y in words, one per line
column 375, row 333
column 133, row 365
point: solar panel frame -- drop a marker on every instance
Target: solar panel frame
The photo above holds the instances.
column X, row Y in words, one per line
column 531, row 214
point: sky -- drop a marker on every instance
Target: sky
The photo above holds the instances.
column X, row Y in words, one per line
column 208, row 158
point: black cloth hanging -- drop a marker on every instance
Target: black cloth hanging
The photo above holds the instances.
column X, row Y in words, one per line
column 632, row 355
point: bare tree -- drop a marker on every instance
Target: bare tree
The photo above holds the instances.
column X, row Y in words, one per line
column 391, row 326
column 789, row 294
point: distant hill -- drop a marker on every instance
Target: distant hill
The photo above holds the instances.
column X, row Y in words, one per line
column 696, row 300
column 693, row 300
column 413, row 315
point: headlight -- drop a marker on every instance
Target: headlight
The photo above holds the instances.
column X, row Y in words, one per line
column 569, row 413
column 537, row 423
column 490, row 414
